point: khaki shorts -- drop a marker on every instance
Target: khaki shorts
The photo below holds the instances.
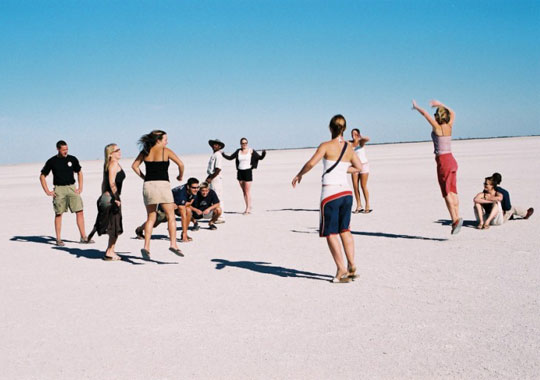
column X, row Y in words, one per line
column 66, row 197
column 155, row 192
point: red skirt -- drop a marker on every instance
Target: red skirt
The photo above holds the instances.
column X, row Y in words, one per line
column 447, row 173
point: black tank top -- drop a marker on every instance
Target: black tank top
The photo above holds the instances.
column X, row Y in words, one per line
column 120, row 176
column 156, row 171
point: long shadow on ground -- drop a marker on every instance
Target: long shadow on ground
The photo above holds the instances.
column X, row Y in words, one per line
column 380, row 234
column 266, row 268
column 296, row 209
column 91, row 253
column 466, row 223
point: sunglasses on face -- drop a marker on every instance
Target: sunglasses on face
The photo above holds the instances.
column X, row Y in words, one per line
column 194, row 187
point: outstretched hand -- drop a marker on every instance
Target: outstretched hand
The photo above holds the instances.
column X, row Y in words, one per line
column 435, row 103
column 414, row 105
column 296, row 179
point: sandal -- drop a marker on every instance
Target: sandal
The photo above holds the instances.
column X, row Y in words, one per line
column 145, row 254
column 186, row 240
column 109, row 258
column 344, row 278
column 358, row 210
column 176, row 251
column 352, row 273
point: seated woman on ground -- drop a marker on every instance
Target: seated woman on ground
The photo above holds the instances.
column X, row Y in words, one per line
column 487, row 206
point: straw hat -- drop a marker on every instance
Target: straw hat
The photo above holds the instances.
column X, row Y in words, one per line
column 216, row 141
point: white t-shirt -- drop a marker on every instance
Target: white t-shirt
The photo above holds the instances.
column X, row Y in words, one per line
column 215, row 162
column 244, row 160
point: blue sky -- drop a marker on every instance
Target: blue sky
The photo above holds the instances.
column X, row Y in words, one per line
column 94, row 72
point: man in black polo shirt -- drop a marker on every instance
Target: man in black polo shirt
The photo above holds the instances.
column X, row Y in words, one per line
column 65, row 194
column 206, row 204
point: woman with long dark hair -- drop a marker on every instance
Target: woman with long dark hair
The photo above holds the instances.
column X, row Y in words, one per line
column 109, row 218
column 441, row 134
column 247, row 159
column 359, row 180
column 157, row 189
column 336, row 196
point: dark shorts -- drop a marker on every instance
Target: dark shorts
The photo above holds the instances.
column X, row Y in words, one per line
column 447, row 173
column 335, row 216
column 245, row 175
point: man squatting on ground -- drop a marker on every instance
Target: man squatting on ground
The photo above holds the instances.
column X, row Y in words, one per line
column 206, row 204
column 183, row 197
column 65, row 194
column 215, row 166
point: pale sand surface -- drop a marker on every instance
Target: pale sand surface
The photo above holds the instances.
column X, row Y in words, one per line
column 427, row 304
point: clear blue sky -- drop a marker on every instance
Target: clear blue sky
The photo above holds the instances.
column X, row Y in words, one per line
column 94, row 72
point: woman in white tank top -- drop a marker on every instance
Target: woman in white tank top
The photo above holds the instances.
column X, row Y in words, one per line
column 336, row 196
column 360, row 179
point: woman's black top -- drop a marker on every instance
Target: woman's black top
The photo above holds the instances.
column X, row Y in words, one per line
column 156, row 171
column 120, row 176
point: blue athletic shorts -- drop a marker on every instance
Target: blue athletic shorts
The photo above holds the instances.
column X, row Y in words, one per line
column 335, row 214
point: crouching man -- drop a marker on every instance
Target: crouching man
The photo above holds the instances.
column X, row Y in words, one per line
column 206, row 205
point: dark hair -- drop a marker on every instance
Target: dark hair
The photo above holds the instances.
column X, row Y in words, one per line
column 490, row 179
column 442, row 115
column 146, row 142
column 60, row 144
column 355, row 129
column 192, row 180
column 337, row 125
column 497, row 178
column 243, row 138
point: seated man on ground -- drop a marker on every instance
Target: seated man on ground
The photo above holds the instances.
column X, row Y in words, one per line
column 509, row 210
column 487, row 205
column 183, row 197
column 206, row 205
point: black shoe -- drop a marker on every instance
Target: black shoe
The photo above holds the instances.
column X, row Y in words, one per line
column 195, row 227
column 139, row 232
column 212, row 226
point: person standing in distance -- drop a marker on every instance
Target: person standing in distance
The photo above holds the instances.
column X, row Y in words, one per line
column 215, row 166
column 65, row 194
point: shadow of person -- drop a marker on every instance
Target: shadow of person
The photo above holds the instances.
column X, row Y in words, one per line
column 266, row 268
column 466, row 223
column 379, row 234
column 95, row 254
column 39, row 239
column 295, row 209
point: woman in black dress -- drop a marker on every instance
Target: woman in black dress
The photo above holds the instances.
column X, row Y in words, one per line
column 109, row 218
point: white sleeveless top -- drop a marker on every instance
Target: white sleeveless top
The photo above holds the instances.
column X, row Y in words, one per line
column 361, row 153
column 244, row 160
column 338, row 176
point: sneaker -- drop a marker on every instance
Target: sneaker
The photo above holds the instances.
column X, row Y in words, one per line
column 529, row 213
column 456, row 226
column 139, row 232
column 220, row 221
column 212, row 226
column 86, row 241
column 195, row 227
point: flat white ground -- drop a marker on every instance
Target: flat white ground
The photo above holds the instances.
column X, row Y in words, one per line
column 252, row 299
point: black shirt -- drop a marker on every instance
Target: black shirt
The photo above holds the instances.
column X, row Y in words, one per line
column 202, row 203
column 181, row 195
column 506, row 205
column 62, row 169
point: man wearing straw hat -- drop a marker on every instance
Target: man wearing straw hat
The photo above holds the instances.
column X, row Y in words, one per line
column 215, row 165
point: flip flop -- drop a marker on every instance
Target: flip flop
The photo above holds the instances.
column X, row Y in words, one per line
column 352, row 273
column 145, row 254
column 109, row 258
column 176, row 251
column 367, row 211
column 344, row 278
column 186, row 241
column 357, row 211
column 456, row 228
column 60, row 243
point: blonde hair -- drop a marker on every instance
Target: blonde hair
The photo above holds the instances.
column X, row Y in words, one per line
column 442, row 115
column 108, row 151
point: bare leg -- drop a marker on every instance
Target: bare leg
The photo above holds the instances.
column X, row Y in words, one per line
column 171, row 221
column 451, row 204
column 110, row 248
column 185, row 214
column 348, row 244
column 335, row 250
column 355, row 178
column 363, row 183
column 246, row 189
column 216, row 213
column 80, row 224
column 479, row 213
column 149, row 225
column 492, row 215
column 58, row 226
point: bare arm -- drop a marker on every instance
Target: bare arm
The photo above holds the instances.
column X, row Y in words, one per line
column 113, row 170
column 80, row 181
column 45, row 186
column 177, row 161
column 356, row 164
column 214, row 175
column 136, row 165
column 211, row 208
column 314, row 160
column 363, row 140
column 428, row 117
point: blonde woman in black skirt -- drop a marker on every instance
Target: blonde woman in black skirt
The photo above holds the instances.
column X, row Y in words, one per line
column 157, row 189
